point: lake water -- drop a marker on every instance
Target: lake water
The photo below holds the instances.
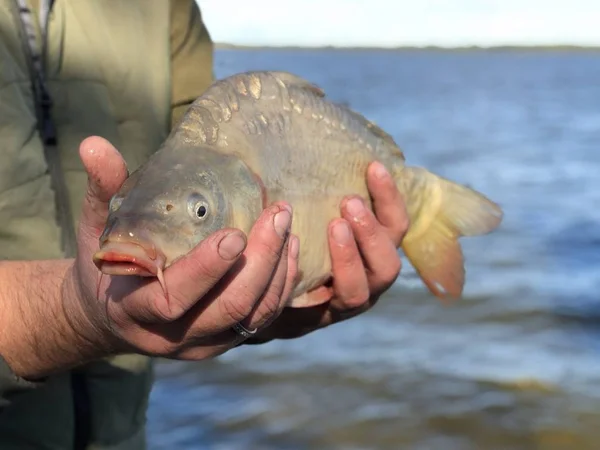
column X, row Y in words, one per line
column 513, row 365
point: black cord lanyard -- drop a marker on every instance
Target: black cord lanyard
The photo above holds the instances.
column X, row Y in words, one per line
column 43, row 106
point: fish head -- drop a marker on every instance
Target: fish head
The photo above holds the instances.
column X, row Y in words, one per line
column 172, row 203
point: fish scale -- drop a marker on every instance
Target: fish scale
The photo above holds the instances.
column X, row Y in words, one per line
column 269, row 89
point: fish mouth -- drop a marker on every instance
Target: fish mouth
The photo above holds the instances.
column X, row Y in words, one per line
column 129, row 258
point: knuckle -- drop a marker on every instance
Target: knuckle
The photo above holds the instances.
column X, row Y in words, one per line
column 169, row 349
column 269, row 305
column 390, row 272
column 369, row 235
column 268, row 251
column 236, row 309
column 209, row 270
column 267, row 215
column 174, row 309
column 264, row 222
column 151, row 307
column 89, row 231
column 273, row 297
column 167, row 307
column 368, row 229
column 385, row 275
column 402, row 225
column 349, row 260
column 357, row 299
column 163, row 314
column 345, row 257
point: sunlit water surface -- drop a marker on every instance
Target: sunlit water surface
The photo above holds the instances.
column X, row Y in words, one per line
column 516, row 363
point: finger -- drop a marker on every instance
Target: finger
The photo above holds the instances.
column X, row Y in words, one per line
column 269, row 305
column 194, row 275
column 292, row 273
column 378, row 251
column 238, row 292
column 106, row 170
column 388, row 204
column 349, row 277
column 275, row 299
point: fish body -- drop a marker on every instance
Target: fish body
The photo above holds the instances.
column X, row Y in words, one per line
column 255, row 138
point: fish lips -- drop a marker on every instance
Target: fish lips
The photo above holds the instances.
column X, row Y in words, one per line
column 129, row 258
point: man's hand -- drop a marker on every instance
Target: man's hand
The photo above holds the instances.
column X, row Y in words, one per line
column 358, row 281
column 53, row 315
column 224, row 281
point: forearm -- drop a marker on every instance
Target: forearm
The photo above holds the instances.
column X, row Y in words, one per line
column 43, row 329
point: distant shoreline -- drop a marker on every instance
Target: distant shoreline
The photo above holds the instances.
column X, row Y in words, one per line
column 472, row 48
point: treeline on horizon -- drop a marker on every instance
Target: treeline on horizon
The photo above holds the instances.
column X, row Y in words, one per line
column 558, row 47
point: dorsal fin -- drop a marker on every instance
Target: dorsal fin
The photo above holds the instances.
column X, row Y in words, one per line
column 294, row 80
column 375, row 129
column 291, row 80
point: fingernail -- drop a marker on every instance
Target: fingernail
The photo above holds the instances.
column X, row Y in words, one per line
column 282, row 222
column 380, row 171
column 288, row 207
column 294, row 247
column 341, row 233
column 231, row 246
column 355, row 207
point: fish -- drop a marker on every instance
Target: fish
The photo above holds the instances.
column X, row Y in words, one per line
column 259, row 137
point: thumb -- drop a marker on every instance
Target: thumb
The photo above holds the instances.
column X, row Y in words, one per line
column 106, row 170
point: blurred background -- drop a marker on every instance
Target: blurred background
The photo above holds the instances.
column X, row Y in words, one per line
column 516, row 363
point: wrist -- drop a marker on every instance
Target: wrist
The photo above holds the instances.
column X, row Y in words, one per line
column 86, row 320
column 43, row 326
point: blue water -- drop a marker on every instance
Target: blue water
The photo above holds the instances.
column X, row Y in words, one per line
column 516, row 363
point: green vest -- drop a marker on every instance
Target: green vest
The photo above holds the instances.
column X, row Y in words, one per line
column 124, row 70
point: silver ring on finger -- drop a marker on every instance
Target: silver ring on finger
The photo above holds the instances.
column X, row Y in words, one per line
column 243, row 331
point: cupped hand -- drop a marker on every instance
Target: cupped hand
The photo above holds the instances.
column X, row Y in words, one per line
column 225, row 280
column 364, row 256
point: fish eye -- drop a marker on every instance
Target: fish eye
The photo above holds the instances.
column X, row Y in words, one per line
column 198, row 207
column 201, row 211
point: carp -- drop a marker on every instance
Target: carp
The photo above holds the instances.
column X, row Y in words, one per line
column 259, row 137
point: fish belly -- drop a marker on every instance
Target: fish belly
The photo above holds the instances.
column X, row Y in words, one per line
column 316, row 198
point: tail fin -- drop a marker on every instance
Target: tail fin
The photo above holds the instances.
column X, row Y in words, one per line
column 440, row 212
